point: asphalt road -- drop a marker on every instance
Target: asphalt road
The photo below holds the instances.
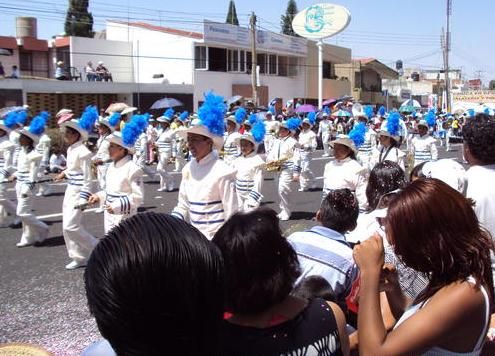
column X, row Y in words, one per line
column 42, row 303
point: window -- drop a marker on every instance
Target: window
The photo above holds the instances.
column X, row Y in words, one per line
column 249, row 62
column 233, row 60
column 261, row 58
column 272, row 67
column 217, row 59
column 293, row 66
column 26, row 61
column 283, row 63
column 200, row 57
column 242, row 61
column 328, row 70
column 357, row 80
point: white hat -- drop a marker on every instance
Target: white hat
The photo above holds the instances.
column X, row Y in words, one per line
column 85, row 124
column 291, row 124
column 100, row 62
column 111, row 121
column 256, row 135
column 130, row 132
column 391, row 127
column 448, row 171
column 116, row 137
column 128, row 110
column 36, row 127
column 211, row 121
column 423, row 123
column 345, row 141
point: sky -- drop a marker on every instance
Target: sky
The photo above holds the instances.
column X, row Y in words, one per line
column 388, row 30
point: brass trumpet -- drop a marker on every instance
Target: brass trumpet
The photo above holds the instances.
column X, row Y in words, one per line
column 275, row 166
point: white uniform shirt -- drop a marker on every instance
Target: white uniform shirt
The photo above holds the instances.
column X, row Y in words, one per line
column 425, row 149
column 141, row 144
column 231, row 148
column 349, row 174
column 102, row 153
column 271, row 128
column 380, row 154
column 43, row 148
column 166, row 143
column 207, row 196
column 124, row 189
column 325, row 128
column 249, row 180
column 481, row 189
column 78, row 172
column 28, row 165
column 307, row 141
column 283, row 148
column 6, row 157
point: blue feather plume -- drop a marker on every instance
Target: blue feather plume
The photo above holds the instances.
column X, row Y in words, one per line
column 258, row 131
column 471, row 113
column 88, row 118
column 212, row 112
column 252, row 119
column 430, row 118
column 368, row 111
column 141, row 121
column 312, row 117
column 293, row 123
column 358, row 133
column 132, row 130
column 37, row 126
column 21, row 117
column 11, row 120
column 240, row 115
column 271, row 109
column 114, row 119
column 382, row 110
column 184, row 116
column 169, row 113
column 393, row 123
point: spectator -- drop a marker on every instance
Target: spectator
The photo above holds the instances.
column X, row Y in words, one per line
column 446, row 243
column 479, row 152
column 58, row 162
column 60, row 72
column 155, row 287
column 2, row 70
column 90, row 72
column 323, row 250
column 15, row 73
column 103, row 74
column 264, row 319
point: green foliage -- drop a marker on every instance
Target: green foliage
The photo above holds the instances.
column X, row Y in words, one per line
column 78, row 21
column 491, row 86
column 286, row 20
column 232, row 14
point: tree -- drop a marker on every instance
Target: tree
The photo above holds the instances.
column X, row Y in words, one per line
column 232, row 14
column 78, row 21
column 286, row 21
column 491, row 86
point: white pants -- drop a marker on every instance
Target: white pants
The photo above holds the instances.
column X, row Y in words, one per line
column 140, row 160
column 180, row 162
column 32, row 228
column 7, row 207
column 101, row 172
column 78, row 241
column 307, row 178
column 112, row 220
column 284, row 189
column 325, row 138
column 166, row 180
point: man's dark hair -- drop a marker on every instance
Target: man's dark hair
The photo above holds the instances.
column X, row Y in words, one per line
column 339, row 210
column 479, row 134
column 155, row 286
column 385, row 177
column 261, row 266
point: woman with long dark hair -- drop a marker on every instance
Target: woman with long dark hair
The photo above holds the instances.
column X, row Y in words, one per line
column 434, row 230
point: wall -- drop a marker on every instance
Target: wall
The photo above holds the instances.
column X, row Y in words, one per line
column 158, row 52
column 117, row 56
column 9, row 61
column 394, row 86
column 40, row 64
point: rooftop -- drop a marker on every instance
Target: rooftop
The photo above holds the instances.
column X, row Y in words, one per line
column 168, row 30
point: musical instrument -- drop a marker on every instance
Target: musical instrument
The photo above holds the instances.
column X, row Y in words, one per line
column 94, row 167
column 275, row 166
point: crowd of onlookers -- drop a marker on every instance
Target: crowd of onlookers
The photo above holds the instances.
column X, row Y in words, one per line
column 98, row 74
column 410, row 275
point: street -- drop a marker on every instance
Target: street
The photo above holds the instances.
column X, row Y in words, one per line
column 42, row 303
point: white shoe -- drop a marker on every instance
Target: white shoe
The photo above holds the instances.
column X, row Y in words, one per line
column 302, row 190
column 283, row 217
column 39, row 194
column 325, row 155
column 161, row 189
column 23, row 244
column 170, row 189
column 74, row 265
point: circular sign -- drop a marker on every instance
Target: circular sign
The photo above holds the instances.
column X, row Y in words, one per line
column 321, row 21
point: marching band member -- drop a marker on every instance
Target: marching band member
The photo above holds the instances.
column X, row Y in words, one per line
column 424, row 146
column 249, row 167
column 231, row 136
column 124, row 192
column 152, row 135
column 207, row 196
column 102, row 159
column 7, row 168
column 345, row 171
column 282, row 152
column 141, row 146
column 389, row 137
column 306, row 146
column 366, row 149
column 180, row 143
column 28, row 165
column 14, row 134
column 325, row 132
column 43, row 148
column 271, row 128
column 79, row 242
column 165, row 143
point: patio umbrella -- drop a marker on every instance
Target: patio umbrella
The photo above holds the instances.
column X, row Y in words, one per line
column 7, row 110
column 306, row 108
column 234, row 99
column 346, row 97
column 413, row 103
column 407, row 108
column 341, row 113
column 165, row 103
column 329, row 102
column 116, row 107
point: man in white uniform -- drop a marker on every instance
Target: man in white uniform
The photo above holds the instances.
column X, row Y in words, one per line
column 306, row 146
column 166, row 144
column 424, row 146
column 231, row 148
column 7, row 207
column 207, row 196
column 325, row 131
column 271, row 128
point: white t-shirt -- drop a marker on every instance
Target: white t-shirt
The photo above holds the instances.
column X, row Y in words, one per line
column 481, row 189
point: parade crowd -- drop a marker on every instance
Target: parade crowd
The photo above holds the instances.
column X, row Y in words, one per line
column 399, row 261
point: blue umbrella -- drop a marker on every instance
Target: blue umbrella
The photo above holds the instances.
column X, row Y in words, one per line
column 166, row 103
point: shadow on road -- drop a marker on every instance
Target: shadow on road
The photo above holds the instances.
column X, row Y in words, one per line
column 52, row 242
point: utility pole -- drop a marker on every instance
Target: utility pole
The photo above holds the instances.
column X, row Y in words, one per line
column 447, row 50
column 254, row 59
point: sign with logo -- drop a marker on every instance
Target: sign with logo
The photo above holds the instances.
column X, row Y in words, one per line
column 230, row 35
column 320, row 21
